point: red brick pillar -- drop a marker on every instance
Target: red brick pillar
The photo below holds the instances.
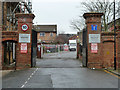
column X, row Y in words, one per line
column 93, row 22
column 23, row 56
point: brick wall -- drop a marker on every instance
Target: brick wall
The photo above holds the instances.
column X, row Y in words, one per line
column 108, row 49
column 47, row 38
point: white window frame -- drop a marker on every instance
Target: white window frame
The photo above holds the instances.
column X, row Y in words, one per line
column 51, row 34
column 42, row 34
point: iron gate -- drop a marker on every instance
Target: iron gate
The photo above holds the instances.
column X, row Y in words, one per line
column 84, row 48
column 34, row 48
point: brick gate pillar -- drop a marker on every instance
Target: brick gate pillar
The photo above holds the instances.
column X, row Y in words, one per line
column 23, row 52
column 93, row 22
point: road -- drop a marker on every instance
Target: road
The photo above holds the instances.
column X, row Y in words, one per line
column 59, row 70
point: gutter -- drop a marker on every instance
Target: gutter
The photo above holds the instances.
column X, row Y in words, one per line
column 116, row 73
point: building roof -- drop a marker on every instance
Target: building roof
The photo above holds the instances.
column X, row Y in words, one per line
column 112, row 22
column 67, row 35
column 45, row 28
column 74, row 37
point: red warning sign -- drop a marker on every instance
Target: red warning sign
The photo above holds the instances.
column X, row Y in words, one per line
column 94, row 48
column 23, row 47
column 66, row 48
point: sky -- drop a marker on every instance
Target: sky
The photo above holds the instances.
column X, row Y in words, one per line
column 59, row 12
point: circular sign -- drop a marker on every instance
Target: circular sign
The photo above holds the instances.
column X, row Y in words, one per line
column 25, row 27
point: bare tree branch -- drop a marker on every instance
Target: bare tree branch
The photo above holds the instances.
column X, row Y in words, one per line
column 102, row 6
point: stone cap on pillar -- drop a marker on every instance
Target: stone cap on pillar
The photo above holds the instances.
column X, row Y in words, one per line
column 92, row 14
column 25, row 15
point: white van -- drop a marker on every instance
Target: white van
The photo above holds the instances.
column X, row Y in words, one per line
column 72, row 45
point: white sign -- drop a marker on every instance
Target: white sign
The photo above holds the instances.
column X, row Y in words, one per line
column 23, row 47
column 24, row 38
column 94, row 38
column 25, row 27
column 38, row 47
column 94, row 48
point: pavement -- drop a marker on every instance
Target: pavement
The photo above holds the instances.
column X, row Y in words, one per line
column 59, row 70
column 5, row 72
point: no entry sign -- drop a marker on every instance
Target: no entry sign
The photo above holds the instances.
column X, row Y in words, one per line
column 94, row 48
column 24, row 27
column 23, row 47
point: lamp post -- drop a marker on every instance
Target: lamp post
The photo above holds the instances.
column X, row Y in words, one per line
column 114, row 40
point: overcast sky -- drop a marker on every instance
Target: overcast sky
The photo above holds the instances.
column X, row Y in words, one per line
column 59, row 12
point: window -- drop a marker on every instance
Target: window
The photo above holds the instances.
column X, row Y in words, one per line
column 51, row 34
column 9, row 53
column 42, row 34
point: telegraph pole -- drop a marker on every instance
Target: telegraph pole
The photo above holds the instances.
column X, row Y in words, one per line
column 114, row 40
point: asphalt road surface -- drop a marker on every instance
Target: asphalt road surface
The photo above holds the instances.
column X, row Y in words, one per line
column 59, row 70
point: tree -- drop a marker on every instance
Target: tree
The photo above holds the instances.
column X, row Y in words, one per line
column 61, row 39
column 78, row 24
column 100, row 6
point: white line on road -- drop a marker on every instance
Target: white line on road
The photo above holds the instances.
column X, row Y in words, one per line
column 29, row 78
column 26, row 82
column 22, row 86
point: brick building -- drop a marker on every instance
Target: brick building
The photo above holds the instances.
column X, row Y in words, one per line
column 73, row 37
column 46, row 33
column 10, row 34
column 63, row 38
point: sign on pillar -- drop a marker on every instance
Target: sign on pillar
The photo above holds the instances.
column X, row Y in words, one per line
column 94, row 48
column 24, row 27
column 94, row 27
column 24, row 38
column 23, row 57
column 23, row 47
column 94, row 38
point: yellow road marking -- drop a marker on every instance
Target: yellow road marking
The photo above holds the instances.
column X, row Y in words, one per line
column 112, row 74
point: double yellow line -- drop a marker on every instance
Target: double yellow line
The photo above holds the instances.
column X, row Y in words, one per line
column 112, row 74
